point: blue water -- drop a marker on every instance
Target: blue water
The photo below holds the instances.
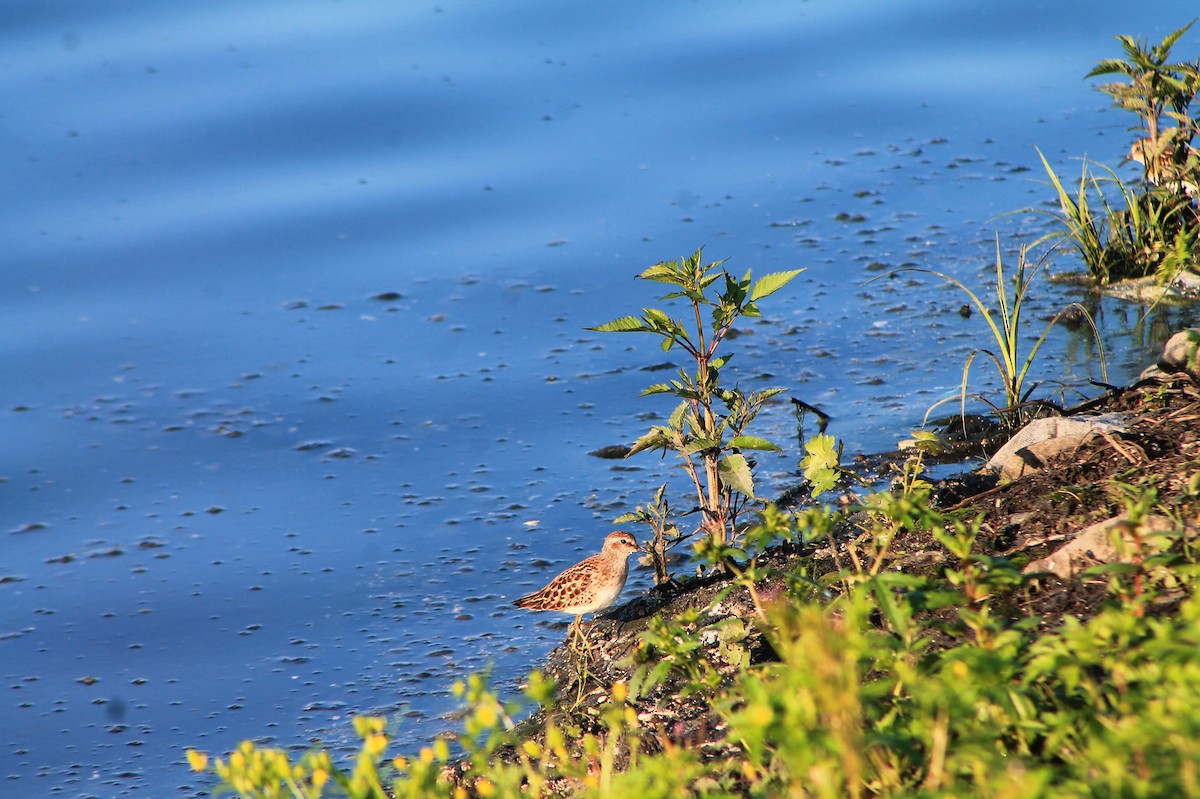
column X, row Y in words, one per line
column 243, row 497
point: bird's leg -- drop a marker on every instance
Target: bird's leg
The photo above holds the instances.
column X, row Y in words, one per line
column 581, row 658
column 578, row 643
column 577, row 633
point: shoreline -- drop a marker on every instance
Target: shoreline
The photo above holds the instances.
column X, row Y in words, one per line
column 1023, row 522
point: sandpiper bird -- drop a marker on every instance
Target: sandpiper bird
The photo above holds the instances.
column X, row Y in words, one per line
column 1165, row 168
column 589, row 585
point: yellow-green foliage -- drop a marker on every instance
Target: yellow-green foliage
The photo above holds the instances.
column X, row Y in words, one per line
column 858, row 703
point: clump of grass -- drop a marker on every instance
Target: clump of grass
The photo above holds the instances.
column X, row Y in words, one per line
column 1011, row 360
column 1153, row 230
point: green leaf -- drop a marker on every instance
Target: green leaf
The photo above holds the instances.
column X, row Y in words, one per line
column 655, row 438
column 1105, row 569
column 902, row 580
column 928, row 441
column 754, row 442
column 735, row 292
column 1169, row 41
column 658, row 388
column 625, row 324
column 822, row 450
column 678, row 415
column 663, row 272
column 699, row 445
column 765, row 394
column 657, row 320
column 1109, row 66
column 735, row 473
column 822, row 464
column 769, row 284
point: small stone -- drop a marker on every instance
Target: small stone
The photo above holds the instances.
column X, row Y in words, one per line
column 1181, row 353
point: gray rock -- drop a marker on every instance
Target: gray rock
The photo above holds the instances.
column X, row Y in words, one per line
column 1096, row 544
column 1042, row 440
column 1181, row 353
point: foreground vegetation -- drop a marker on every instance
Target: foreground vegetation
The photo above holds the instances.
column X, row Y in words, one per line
column 866, row 682
column 892, row 643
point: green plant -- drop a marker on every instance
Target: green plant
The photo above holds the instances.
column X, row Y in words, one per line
column 256, row 772
column 680, row 647
column 1152, row 551
column 708, row 428
column 822, row 464
column 1012, row 362
column 665, row 533
column 1154, row 233
column 1160, row 94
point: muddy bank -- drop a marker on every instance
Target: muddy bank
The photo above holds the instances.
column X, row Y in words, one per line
column 1051, row 523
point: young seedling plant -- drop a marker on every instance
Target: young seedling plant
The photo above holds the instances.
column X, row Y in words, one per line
column 1012, row 362
column 708, row 428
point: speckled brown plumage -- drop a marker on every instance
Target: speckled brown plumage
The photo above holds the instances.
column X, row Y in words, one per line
column 1166, row 168
column 589, row 585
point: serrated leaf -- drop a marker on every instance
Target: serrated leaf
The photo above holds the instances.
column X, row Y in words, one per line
column 698, row 445
column 1169, row 41
column 822, row 450
column 735, row 473
column 657, row 388
column 625, row 324
column 1108, row 66
column 662, row 272
column 754, row 442
column 820, row 480
column 735, row 290
column 656, row 438
column 657, row 320
column 769, row 284
column 676, row 418
column 821, row 466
